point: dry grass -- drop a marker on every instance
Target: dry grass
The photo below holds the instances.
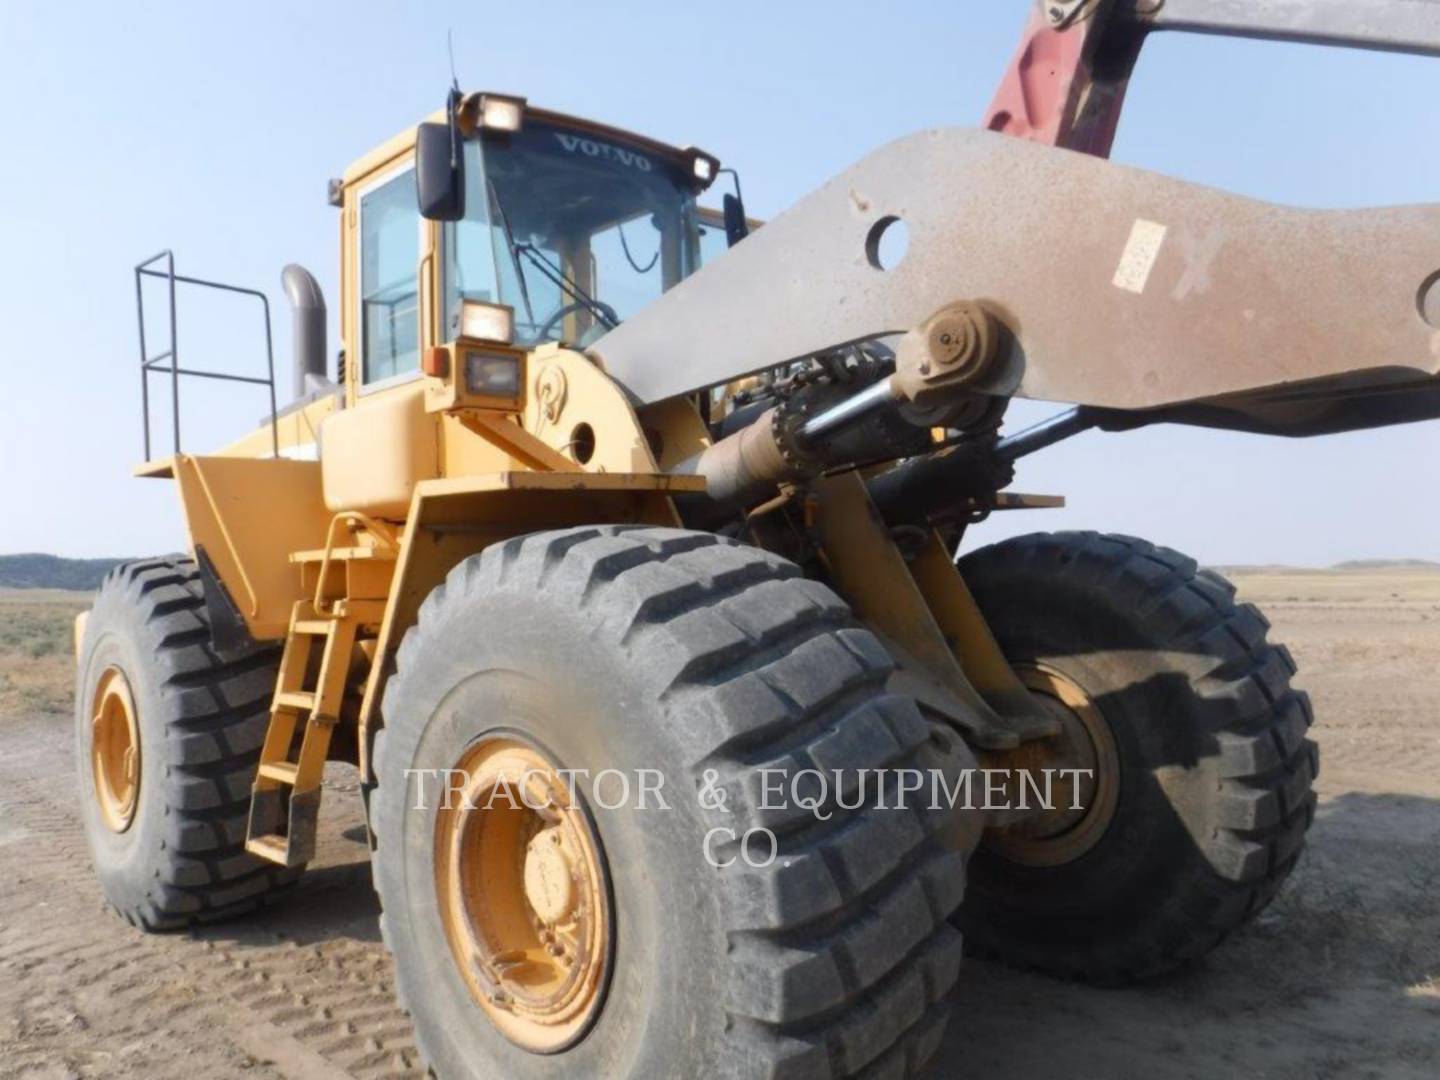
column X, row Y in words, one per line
column 37, row 656
column 1412, row 589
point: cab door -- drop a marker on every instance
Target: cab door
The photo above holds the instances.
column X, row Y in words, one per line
column 383, row 443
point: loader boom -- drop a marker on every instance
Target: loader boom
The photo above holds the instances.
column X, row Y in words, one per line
column 1172, row 292
column 1219, row 310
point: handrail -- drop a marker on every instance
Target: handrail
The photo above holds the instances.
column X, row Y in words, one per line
column 385, row 540
column 151, row 364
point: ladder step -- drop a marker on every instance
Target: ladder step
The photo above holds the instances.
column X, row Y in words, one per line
column 343, row 554
column 293, row 699
column 271, row 848
column 283, row 771
column 315, row 627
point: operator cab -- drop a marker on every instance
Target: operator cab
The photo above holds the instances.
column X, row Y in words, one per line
column 572, row 225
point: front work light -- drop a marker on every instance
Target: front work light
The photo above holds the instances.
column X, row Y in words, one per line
column 500, row 112
column 487, row 322
column 704, row 167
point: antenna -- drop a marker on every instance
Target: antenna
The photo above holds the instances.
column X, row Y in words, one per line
column 452, row 103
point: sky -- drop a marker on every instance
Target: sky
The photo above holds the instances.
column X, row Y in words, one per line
column 212, row 131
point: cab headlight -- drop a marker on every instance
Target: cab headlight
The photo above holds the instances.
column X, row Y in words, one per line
column 494, row 375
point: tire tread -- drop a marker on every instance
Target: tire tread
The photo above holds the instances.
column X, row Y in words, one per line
column 1266, row 762
column 216, row 712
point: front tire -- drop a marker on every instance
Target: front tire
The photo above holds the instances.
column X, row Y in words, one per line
column 1206, row 814
column 167, row 739
column 648, row 648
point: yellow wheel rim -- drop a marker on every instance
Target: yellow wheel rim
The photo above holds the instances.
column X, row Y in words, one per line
column 115, row 750
column 1064, row 833
column 523, row 896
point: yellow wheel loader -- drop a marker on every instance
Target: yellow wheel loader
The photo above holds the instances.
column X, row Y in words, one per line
column 618, row 553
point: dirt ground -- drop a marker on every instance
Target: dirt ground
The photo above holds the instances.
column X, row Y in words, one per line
column 1340, row 978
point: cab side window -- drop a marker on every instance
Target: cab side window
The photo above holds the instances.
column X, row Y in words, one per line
column 389, row 251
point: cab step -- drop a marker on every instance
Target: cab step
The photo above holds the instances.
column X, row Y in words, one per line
column 271, row 848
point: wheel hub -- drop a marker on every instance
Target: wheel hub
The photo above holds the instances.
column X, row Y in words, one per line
column 550, row 876
column 1082, row 804
column 523, row 893
column 115, row 750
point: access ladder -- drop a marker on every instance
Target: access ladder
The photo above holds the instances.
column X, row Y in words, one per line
column 310, row 689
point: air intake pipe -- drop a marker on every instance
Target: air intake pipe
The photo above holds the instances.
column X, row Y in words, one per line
column 307, row 316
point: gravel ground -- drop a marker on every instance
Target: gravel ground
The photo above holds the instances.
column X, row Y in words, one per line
column 1341, row 977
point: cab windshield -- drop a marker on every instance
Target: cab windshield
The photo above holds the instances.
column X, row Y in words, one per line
column 574, row 231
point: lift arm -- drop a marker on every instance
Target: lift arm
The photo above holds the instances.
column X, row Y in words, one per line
column 1118, row 288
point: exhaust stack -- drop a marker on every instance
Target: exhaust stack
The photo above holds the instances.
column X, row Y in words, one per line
column 307, row 312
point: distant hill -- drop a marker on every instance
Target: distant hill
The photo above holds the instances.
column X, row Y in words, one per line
column 34, row 571
column 1351, row 565
column 1387, row 564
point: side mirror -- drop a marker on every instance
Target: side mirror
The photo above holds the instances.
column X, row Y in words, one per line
column 736, row 227
column 439, row 173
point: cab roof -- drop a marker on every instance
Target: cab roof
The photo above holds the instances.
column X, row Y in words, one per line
column 399, row 145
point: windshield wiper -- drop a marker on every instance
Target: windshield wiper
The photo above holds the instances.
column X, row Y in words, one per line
column 556, row 275
column 561, row 280
column 513, row 247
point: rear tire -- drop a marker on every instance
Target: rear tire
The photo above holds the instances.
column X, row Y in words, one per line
column 682, row 652
column 200, row 718
column 1215, row 771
